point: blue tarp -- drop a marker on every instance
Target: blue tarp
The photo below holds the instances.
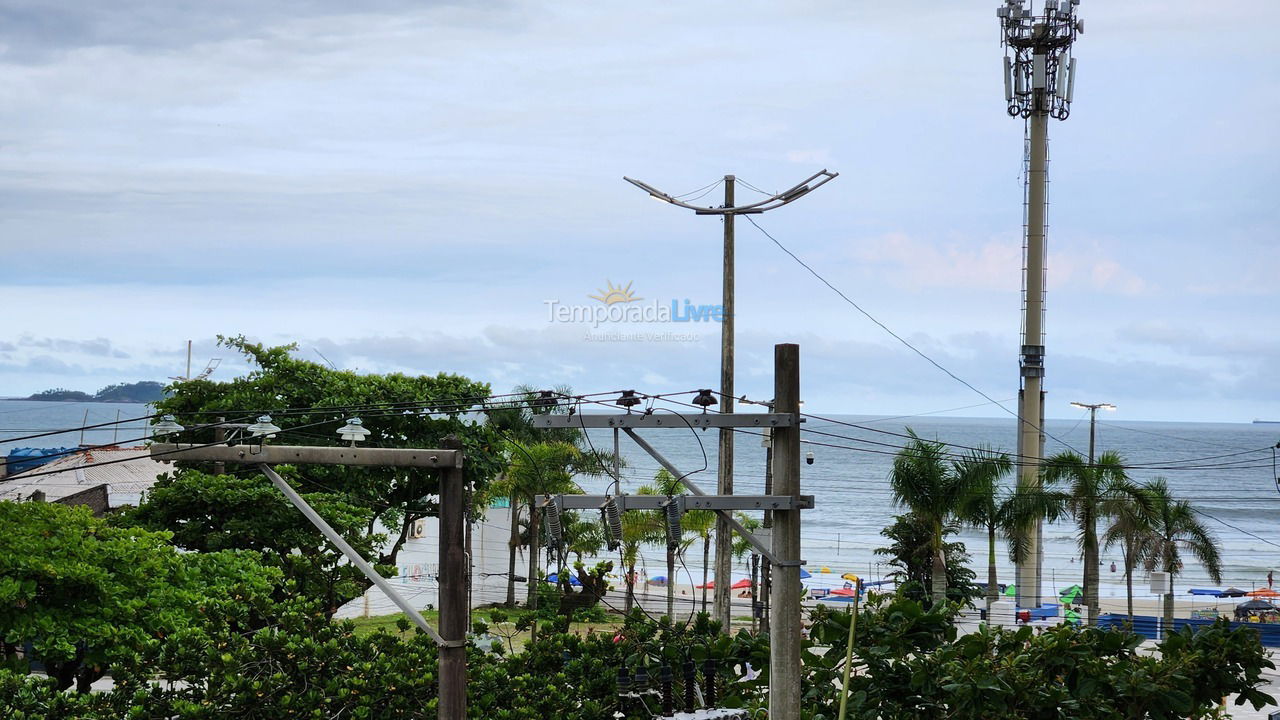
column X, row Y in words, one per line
column 1145, row 625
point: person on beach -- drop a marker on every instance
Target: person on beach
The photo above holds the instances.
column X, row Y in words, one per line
column 1270, row 579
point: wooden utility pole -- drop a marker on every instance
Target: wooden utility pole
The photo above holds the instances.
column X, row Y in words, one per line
column 784, row 638
column 220, row 436
column 723, row 598
column 724, row 477
column 451, row 638
column 453, row 590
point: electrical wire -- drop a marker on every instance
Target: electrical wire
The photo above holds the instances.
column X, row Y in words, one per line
column 898, row 337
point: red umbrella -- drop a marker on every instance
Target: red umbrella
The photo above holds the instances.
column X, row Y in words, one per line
column 743, row 583
column 844, row 591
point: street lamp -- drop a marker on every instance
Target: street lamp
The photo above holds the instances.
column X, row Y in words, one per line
column 1093, row 416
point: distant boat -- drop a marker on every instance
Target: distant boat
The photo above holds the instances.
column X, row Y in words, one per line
column 1266, row 422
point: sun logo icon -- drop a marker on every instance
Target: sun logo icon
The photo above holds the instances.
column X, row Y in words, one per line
column 614, row 294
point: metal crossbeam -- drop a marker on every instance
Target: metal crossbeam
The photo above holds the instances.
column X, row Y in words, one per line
column 308, row 455
column 665, row 420
column 684, row 502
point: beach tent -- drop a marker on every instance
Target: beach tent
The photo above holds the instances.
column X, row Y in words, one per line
column 1232, row 592
column 850, row 577
column 1073, row 595
column 1263, row 592
column 573, row 581
column 1254, row 607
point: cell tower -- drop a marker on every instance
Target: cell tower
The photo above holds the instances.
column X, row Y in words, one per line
column 1039, row 77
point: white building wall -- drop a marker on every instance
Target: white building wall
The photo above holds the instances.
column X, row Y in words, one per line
column 418, row 568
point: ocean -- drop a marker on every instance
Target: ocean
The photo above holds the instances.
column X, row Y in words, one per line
column 1224, row 469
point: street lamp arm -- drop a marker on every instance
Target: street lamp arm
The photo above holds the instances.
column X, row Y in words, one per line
column 804, row 187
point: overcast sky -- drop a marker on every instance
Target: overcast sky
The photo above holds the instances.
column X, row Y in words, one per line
column 405, row 187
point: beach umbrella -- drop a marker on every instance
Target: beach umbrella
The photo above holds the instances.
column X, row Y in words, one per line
column 850, row 577
column 836, row 598
column 573, row 581
column 1072, row 616
column 744, row 583
column 1263, row 592
column 1232, row 592
column 1072, row 594
column 805, row 573
column 658, row 580
column 825, row 569
column 1010, row 591
column 850, row 592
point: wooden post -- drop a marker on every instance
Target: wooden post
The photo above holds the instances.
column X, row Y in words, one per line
column 453, row 592
column 724, row 477
column 219, row 436
column 784, row 638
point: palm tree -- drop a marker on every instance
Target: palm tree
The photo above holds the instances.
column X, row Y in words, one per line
column 701, row 525
column 1094, row 492
column 664, row 483
column 1131, row 528
column 513, row 421
column 545, row 468
column 923, row 483
column 982, row 505
column 639, row 527
column 1175, row 528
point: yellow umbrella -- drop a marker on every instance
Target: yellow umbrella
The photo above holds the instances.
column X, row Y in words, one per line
column 825, row 569
column 850, row 577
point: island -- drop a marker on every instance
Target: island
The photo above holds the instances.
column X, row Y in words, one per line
column 146, row 391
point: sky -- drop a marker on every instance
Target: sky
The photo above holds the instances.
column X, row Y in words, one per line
column 413, row 186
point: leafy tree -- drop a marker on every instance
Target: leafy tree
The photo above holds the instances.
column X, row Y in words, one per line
column 90, row 597
column 1176, row 529
column 983, row 504
column 910, row 553
column 1093, row 492
column 310, row 401
column 208, row 513
column 924, row 483
column 910, row 662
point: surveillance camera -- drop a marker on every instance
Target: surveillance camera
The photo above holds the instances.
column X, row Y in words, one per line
column 808, row 458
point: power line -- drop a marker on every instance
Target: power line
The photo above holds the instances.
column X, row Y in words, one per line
column 896, row 336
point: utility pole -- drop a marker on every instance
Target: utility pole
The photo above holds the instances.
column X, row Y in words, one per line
column 1039, row 78
column 784, row 638
column 1093, row 419
column 723, row 597
column 783, row 552
column 724, row 471
column 451, row 639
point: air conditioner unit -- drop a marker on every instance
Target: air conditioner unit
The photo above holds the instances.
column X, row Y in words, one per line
column 419, row 528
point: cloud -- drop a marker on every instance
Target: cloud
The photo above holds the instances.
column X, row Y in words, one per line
column 97, row 347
